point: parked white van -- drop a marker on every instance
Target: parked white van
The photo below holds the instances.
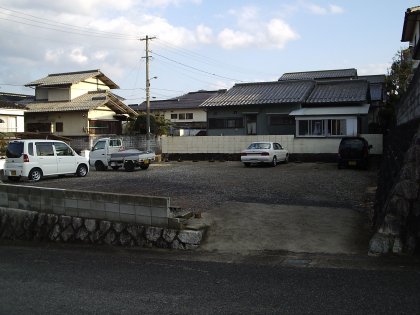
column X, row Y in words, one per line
column 35, row 158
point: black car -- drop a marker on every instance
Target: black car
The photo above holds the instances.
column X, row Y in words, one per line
column 353, row 151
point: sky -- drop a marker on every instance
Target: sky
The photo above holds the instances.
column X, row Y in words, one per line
column 197, row 44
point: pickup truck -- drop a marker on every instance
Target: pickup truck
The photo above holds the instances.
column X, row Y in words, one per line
column 109, row 152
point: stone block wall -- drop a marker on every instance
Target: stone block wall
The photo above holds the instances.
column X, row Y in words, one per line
column 408, row 108
column 144, row 210
column 16, row 224
column 397, row 212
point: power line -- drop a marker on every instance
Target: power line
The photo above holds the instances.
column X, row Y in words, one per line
column 196, row 69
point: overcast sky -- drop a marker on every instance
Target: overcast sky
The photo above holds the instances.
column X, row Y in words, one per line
column 199, row 45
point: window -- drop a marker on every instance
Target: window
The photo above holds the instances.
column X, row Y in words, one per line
column 181, row 116
column 59, row 127
column 100, row 145
column 225, row 123
column 30, row 148
column 311, row 127
column 62, row 149
column 322, row 127
column 115, row 143
column 189, row 116
column 336, row 127
column 38, row 127
column 44, row 149
column 174, row 116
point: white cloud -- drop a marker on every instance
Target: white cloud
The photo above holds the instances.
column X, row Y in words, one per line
column 335, row 9
column 77, row 56
column 229, row 39
column 257, row 31
column 53, row 55
column 280, row 33
column 320, row 10
column 204, row 34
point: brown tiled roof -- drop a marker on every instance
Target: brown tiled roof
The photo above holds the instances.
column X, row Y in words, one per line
column 84, row 102
column 69, row 78
column 263, row 93
column 341, row 91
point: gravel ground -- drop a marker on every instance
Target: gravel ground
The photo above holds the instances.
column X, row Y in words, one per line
column 200, row 186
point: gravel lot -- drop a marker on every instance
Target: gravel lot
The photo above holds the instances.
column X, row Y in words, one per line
column 200, row 186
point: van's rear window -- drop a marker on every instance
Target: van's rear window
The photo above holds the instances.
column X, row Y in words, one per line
column 14, row 149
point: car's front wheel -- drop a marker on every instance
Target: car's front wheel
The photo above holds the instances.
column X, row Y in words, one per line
column 82, row 170
column 35, row 174
column 99, row 166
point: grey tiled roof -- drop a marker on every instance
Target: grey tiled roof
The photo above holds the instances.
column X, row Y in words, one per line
column 10, row 105
column 84, row 102
column 21, row 99
column 69, row 78
column 348, row 91
column 187, row 101
column 263, row 93
column 321, row 75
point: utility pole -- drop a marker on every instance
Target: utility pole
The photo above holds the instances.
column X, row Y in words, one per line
column 147, row 38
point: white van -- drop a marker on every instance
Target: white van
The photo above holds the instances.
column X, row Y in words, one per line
column 35, row 158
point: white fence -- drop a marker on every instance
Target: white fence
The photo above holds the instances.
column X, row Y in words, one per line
column 235, row 144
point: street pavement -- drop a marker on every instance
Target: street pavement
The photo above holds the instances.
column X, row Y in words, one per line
column 52, row 279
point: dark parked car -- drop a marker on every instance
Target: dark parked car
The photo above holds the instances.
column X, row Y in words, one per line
column 353, row 151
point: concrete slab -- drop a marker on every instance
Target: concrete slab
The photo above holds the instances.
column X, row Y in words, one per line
column 237, row 227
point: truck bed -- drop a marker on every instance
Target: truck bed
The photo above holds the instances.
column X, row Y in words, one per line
column 131, row 154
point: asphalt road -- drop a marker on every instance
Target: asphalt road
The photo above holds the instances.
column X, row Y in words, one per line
column 74, row 280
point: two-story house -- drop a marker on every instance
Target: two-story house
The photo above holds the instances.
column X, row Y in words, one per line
column 76, row 105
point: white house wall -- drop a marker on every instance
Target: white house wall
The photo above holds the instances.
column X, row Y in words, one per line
column 84, row 87
column 235, row 144
column 14, row 120
column 102, row 113
column 198, row 115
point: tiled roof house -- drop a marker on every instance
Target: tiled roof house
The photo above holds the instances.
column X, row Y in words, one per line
column 76, row 104
column 326, row 103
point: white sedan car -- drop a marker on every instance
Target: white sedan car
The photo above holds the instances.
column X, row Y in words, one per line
column 264, row 152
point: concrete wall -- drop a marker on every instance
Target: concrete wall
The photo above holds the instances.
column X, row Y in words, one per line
column 143, row 210
column 235, row 144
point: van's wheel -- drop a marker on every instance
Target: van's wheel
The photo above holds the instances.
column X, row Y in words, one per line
column 35, row 174
column 82, row 170
column 129, row 166
column 99, row 166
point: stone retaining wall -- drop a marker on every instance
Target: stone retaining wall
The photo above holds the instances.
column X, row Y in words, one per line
column 397, row 213
column 27, row 225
